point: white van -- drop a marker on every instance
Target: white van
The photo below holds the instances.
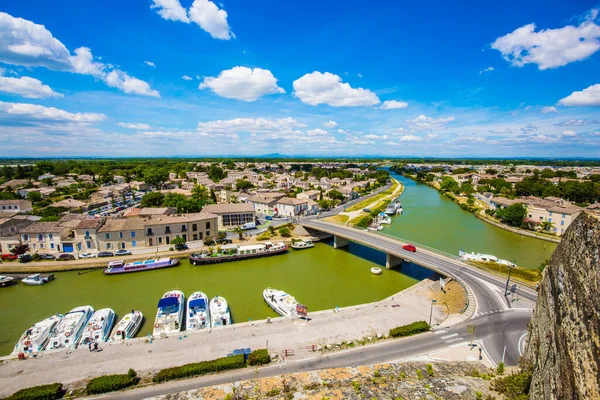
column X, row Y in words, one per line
column 249, row 225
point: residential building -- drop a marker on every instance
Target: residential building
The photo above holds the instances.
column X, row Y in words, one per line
column 262, row 204
column 21, row 206
column 290, row 206
column 309, row 194
column 70, row 204
column 85, row 234
column 160, row 230
column 230, row 215
column 153, row 211
column 46, row 237
column 120, row 233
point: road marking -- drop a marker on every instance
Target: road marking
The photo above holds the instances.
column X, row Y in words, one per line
column 449, row 336
column 458, row 345
column 439, row 331
column 519, row 343
column 453, row 340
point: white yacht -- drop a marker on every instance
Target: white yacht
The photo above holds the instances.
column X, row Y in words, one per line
column 302, row 244
column 383, row 218
column 219, row 312
column 484, row 258
column 98, row 327
column 283, row 303
column 128, row 326
column 34, row 339
column 6, row 280
column 36, row 280
column 198, row 316
column 169, row 316
column 69, row 330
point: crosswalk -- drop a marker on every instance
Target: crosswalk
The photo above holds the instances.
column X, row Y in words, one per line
column 488, row 313
column 449, row 338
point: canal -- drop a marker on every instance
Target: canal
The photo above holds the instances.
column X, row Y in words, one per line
column 436, row 221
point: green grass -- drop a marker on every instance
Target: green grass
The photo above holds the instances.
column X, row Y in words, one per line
column 365, row 203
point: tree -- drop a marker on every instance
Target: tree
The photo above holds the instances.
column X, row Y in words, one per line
column 156, row 176
column 20, row 249
column 335, row 195
column 285, row 232
column 34, row 197
column 271, row 230
column 201, row 193
column 467, row 188
column 239, row 231
column 152, row 199
column 513, row 214
column 215, row 173
column 448, row 184
column 178, row 241
column 325, row 204
column 243, row 185
column 491, row 171
column 546, row 225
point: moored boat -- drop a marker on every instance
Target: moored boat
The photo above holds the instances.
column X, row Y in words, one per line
column 69, row 330
column 283, row 303
column 37, row 279
column 169, row 316
column 118, row 267
column 98, row 327
column 302, row 244
column 237, row 252
column 6, row 280
column 484, row 258
column 383, row 218
column 219, row 312
column 128, row 326
column 34, row 339
column 393, row 207
column 198, row 315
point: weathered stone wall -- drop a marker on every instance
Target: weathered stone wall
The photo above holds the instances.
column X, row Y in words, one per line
column 564, row 341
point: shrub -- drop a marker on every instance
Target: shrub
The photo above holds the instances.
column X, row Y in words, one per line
column 273, row 392
column 259, row 357
column 285, row 232
column 514, row 386
column 364, row 222
column 111, row 383
column 410, row 329
column 500, row 368
column 42, row 392
column 264, row 236
column 201, row 368
column 430, row 371
column 419, row 374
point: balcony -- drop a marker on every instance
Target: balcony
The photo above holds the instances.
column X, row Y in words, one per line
column 167, row 231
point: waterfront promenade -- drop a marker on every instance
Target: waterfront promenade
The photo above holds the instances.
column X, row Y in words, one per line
column 324, row 328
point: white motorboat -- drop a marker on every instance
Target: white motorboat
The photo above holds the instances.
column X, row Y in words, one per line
column 283, row 303
column 399, row 211
column 69, row 330
column 98, row 327
column 383, row 218
column 34, row 339
column 302, row 244
column 219, row 312
column 375, row 228
column 169, row 316
column 128, row 326
column 6, row 280
column 198, row 316
column 393, row 207
column 36, row 280
column 484, row 258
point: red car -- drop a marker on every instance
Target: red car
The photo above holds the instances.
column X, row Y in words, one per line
column 9, row 256
column 409, row 247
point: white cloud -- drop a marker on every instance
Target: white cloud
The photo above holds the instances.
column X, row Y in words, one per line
column 186, row 78
column 549, row 109
column 393, row 104
column 150, row 64
column 206, row 14
column 376, row 137
column 587, row 97
column 569, row 133
column 342, row 132
column 326, row 88
column 25, row 43
column 488, row 69
column 359, row 75
column 550, row 48
column 25, row 86
column 578, row 122
column 410, row 138
column 131, row 125
column 330, row 124
column 529, row 128
column 423, row 122
column 253, row 125
column 242, row 83
column 34, row 111
column 500, row 130
column 317, row 132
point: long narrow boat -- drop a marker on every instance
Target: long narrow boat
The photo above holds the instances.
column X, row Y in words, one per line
column 128, row 326
column 34, row 339
column 236, row 252
column 169, row 316
column 219, row 312
column 98, row 327
column 138, row 266
column 283, row 303
column 69, row 330
column 198, row 315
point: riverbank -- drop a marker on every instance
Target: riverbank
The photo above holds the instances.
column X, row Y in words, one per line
column 360, row 324
column 482, row 216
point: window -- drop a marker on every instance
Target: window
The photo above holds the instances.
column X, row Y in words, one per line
column 207, row 233
column 41, row 245
column 133, row 243
column 160, row 240
column 50, row 236
column 185, row 237
column 549, row 219
column 167, row 240
column 563, row 215
column 562, row 222
column 25, row 237
column 123, row 245
column 150, row 231
column 208, row 225
column 132, row 234
column 120, row 235
column 87, row 233
column 107, row 236
column 195, row 236
column 88, row 244
column 52, row 246
column 183, row 228
column 550, row 213
column 167, row 229
column 108, row 245
column 34, row 246
column 40, row 238
column 194, row 227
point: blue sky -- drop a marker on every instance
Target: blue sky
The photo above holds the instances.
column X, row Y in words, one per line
column 195, row 77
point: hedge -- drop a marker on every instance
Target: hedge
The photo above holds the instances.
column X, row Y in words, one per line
column 42, row 392
column 259, row 357
column 111, row 383
column 410, row 329
column 201, row 368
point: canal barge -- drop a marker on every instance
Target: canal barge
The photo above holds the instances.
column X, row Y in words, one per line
column 119, row 267
column 236, row 252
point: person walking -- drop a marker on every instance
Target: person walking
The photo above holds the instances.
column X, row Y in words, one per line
column 90, row 346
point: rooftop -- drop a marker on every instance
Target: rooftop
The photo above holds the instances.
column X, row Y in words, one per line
column 228, row 208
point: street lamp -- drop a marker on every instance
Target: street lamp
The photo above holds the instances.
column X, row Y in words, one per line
column 507, row 281
column 431, row 311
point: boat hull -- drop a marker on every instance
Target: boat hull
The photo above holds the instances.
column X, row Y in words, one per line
column 236, row 257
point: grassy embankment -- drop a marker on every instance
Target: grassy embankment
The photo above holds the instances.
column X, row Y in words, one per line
column 367, row 202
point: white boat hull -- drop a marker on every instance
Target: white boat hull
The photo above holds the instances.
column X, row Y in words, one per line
column 98, row 327
column 70, row 329
column 170, row 320
column 219, row 312
column 281, row 302
column 35, row 339
column 128, row 326
column 198, row 317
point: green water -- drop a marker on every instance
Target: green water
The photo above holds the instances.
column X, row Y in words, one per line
column 436, row 221
column 321, row 278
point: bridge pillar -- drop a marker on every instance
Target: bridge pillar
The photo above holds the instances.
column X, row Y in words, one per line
column 392, row 261
column 339, row 242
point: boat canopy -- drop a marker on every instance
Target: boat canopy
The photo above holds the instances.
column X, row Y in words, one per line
column 168, row 301
column 197, row 303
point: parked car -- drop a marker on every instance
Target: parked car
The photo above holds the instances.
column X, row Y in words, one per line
column 367, row 210
column 269, row 218
column 9, row 256
column 24, row 258
column 181, row 247
column 66, row 257
column 87, row 255
column 409, row 247
column 122, row 252
column 46, row 256
column 249, row 225
column 105, row 254
column 281, row 218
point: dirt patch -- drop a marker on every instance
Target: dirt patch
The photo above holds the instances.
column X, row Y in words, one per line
column 454, row 297
column 337, row 219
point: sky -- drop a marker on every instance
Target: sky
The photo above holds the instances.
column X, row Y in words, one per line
column 311, row 78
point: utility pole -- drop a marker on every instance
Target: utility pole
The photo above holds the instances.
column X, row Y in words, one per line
column 431, row 311
column 507, row 281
